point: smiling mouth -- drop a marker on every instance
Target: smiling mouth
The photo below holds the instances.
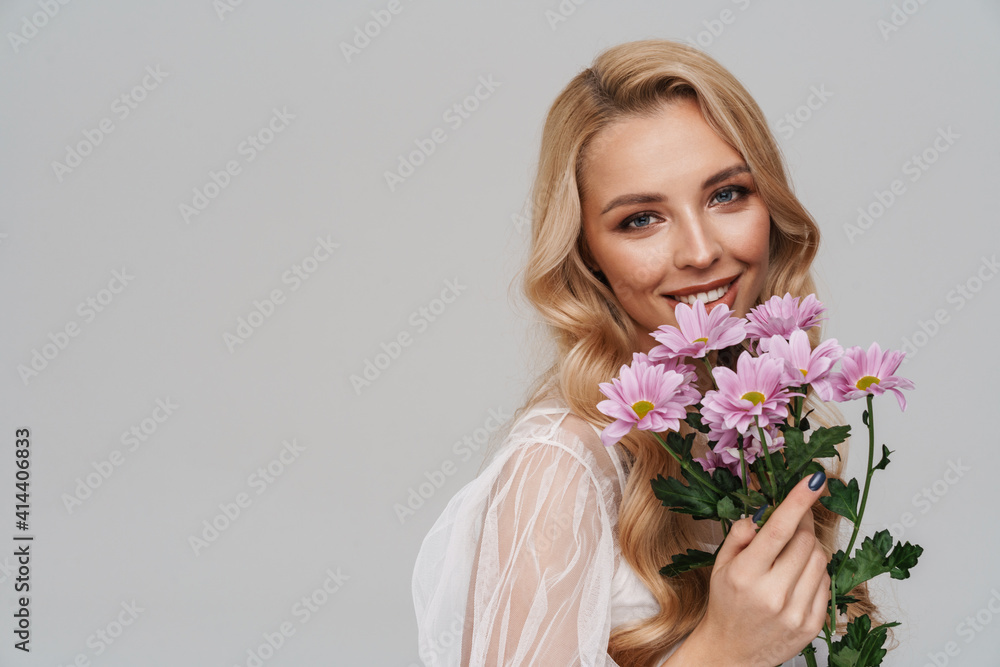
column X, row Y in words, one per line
column 707, row 297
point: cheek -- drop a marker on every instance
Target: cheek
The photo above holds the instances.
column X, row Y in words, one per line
column 753, row 249
column 752, row 243
column 761, row 240
column 634, row 275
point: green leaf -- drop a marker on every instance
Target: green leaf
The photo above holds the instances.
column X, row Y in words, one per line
column 829, row 438
column 695, row 499
column 861, row 646
column 799, row 454
column 843, row 601
column 835, row 562
column 822, row 444
column 759, row 468
column 726, row 480
column 726, row 509
column 694, row 420
column 844, row 656
column 876, row 556
column 843, row 499
column 811, row 468
column 753, row 498
column 681, row 444
column 885, row 459
column 692, row 560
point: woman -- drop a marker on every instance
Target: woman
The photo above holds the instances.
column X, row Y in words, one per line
column 658, row 183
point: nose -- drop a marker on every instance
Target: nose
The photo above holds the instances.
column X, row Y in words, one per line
column 697, row 245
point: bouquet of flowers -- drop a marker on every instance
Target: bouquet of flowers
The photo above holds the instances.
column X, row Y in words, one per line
column 761, row 444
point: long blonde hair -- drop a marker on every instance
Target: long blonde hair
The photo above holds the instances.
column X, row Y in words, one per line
column 594, row 336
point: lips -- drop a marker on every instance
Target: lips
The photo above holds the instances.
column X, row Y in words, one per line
column 712, row 294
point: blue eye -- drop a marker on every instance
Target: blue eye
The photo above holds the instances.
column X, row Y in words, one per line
column 728, row 193
column 642, row 220
column 727, row 196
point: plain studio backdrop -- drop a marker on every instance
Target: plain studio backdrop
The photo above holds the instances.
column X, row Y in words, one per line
column 256, row 259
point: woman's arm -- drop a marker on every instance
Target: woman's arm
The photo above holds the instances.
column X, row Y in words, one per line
column 697, row 650
column 542, row 587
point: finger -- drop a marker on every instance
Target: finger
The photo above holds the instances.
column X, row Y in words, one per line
column 784, row 522
column 821, row 604
column 809, row 586
column 791, row 563
column 810, row 518
column 800, row 545
column 740, row 535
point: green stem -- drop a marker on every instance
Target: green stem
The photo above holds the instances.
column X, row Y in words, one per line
column 833, row 614
column 743, row 467
column 810, row 655
column 709, row 367
column 698, row 474
column 861, row 509
column 828, row 631
column 767, row 459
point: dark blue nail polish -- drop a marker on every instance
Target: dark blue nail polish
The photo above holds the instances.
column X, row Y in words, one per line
column 817, row 480
column 759, row 513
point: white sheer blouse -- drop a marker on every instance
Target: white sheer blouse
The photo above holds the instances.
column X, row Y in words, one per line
column 523, row 565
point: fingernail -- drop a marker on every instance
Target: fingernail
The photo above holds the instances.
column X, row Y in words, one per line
column 817, row 480
column 759, row 513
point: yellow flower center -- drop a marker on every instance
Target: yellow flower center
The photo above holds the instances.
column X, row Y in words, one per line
column 804, row 372
column 642, row 408
column 700, row 340
column 866, row 382
column 754, row 397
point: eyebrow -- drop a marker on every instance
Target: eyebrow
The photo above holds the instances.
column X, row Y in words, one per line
column 652, row 197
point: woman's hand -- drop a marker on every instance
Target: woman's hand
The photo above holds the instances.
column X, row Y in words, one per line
column 769, row 591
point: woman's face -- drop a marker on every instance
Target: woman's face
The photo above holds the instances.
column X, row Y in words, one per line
column 671, row 212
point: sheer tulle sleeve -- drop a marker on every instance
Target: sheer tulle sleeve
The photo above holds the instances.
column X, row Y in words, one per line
column 518, row 569
column 523, row 567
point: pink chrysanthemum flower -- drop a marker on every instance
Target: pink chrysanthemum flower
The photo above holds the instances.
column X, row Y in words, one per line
column 698, row 331
column 729, row 451
column 645, row 396
column 757, row 389
column 862, row 373
column 710, row 461
column 803, row 364
column 780, row 316
column 674, row 364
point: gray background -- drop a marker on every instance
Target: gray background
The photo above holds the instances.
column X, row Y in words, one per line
column 888, row 93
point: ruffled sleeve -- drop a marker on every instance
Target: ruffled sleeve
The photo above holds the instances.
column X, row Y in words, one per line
column 519, row 568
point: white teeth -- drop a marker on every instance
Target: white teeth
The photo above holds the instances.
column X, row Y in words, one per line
column 706, row 297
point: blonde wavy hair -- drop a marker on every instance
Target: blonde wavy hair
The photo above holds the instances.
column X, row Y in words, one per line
column 593, row 335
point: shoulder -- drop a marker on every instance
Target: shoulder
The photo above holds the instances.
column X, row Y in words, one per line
column 549, row 438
